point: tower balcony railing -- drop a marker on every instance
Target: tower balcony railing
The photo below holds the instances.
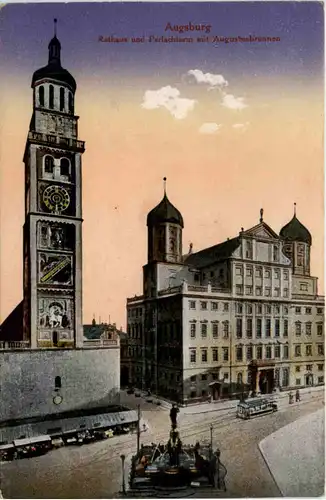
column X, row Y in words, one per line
column 100, row 343
column 17, row 344
column 56, row 140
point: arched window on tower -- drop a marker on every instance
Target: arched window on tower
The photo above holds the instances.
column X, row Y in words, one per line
column 48, row 164
column 71, row 103
column 62, row 98
column 51, row 96
column 41, row 95
column 64, row 167
column 57, row 383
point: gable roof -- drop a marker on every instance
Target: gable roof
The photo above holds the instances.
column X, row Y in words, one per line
column 213, row 254
column 261, row 230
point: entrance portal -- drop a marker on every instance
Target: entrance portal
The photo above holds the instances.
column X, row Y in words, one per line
column 266, row 381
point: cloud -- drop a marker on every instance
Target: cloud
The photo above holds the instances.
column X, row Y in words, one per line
column 209, row 128
column 242, row 127
column 231, row 102
column 214, row 81
column 168, row 98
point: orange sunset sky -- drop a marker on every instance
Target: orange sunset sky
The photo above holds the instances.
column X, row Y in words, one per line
column 224, row 157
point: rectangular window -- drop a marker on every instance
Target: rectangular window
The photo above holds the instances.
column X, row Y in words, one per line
column 285, row 292
column 277, row 273
column 238, row 308
column 297, row 350
column 286, row 274
column 193, row 378
column 285, row 352
column 268, row 352
column 192, row 330
column 297, row 368
column 239, row 289
column 225, row 354
column 268, row 309
column 192, row 304
column 249, row 328
column 308, row 310
column 285, row 328
column 309, row 368
column 285, row 310
column 298, row 381
column 204, row 376
column 249, row 271
column 215, row 330
column 258, row 328
column 225, row 329
column 225, row 376
column 267, row 273
column 320, row 380
column 215, row 354
column 249, row 309
column 204, row 355
column 320, row 328
column 320, row 368
column 320, row 349
column 259, row 309
column 239, row 271
column 225, row 307
column 298, row 328
column 308, row 329
column 214, row 306
column 277, row 328
column 259, row 352
column 259, row 291
column 298, row 310
column 259, row 272
column 277, row 310
column 239, row 328
column 193, row 356
column 239, row 354
column 248, row 290
column 203, row 305
column 267, row 327
column 268, row 291
column 203, row 328
column 277, row 351
column 249, row 353
column 308, row 350
column 319, row 310
column 276, row 292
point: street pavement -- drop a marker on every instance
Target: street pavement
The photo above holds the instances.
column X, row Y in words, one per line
column 304, row 441
column 94, row 470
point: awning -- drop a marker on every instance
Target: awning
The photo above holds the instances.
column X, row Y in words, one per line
column 32, row 440
column 216, row 382
column 4, row 447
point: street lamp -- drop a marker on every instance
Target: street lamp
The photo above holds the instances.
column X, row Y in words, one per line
column 211, row 431
column 123, row 457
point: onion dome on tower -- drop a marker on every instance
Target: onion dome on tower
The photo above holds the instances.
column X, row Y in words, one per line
column 54, row 70
column 165, row 224
column 296, row 245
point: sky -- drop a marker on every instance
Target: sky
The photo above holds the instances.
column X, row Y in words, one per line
column 234, row 127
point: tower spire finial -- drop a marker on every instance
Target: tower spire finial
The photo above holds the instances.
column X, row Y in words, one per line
column 164, row 180
column 261, row 215
column 295, row 209
column 55, row 26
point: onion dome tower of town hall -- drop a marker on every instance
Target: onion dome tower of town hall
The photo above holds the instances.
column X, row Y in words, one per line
column 296, row 245
column 165, row 224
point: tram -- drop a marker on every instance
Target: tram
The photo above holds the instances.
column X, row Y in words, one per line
column 255, row 408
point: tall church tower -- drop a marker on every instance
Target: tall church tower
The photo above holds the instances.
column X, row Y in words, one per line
column 53, row 211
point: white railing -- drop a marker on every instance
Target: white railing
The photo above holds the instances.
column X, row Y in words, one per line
column 100, row 342
column 18, row 344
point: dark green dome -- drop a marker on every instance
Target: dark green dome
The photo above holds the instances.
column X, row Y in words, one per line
column 295, row 231
column 54, row 69
column 164, row 212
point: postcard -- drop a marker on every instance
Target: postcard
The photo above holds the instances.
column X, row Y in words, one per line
column 161, row 253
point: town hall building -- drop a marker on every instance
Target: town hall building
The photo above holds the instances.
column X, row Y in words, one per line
column 241, row 316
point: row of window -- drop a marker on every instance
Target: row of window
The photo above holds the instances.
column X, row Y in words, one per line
column 309, row 368
column 298, row 381
column 135, row 312
column 224, row 328
column 308, row 328
column 49, row 165
column 135, row 331
column 240, row 308
column 241, row 353
column 62, row 91
column 260, row 272
column 307, row 310
column 259, row 291
column 298, row 350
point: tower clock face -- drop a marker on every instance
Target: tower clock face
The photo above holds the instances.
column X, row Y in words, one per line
column 56, row 199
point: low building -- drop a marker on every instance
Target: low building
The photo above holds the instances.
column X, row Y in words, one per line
column 243, row 315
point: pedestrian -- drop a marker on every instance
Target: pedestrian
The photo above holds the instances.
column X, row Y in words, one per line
column 297, row 396
column 290, row 398
column 173, row 415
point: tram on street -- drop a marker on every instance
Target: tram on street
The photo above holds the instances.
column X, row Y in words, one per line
column 255, row 408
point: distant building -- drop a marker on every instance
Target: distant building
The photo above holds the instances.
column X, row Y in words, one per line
column 243, row 315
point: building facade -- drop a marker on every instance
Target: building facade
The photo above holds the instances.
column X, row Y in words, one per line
column 243, row 315
column 49, row 367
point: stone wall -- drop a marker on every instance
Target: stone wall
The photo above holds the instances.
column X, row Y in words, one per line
column 88, row 378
